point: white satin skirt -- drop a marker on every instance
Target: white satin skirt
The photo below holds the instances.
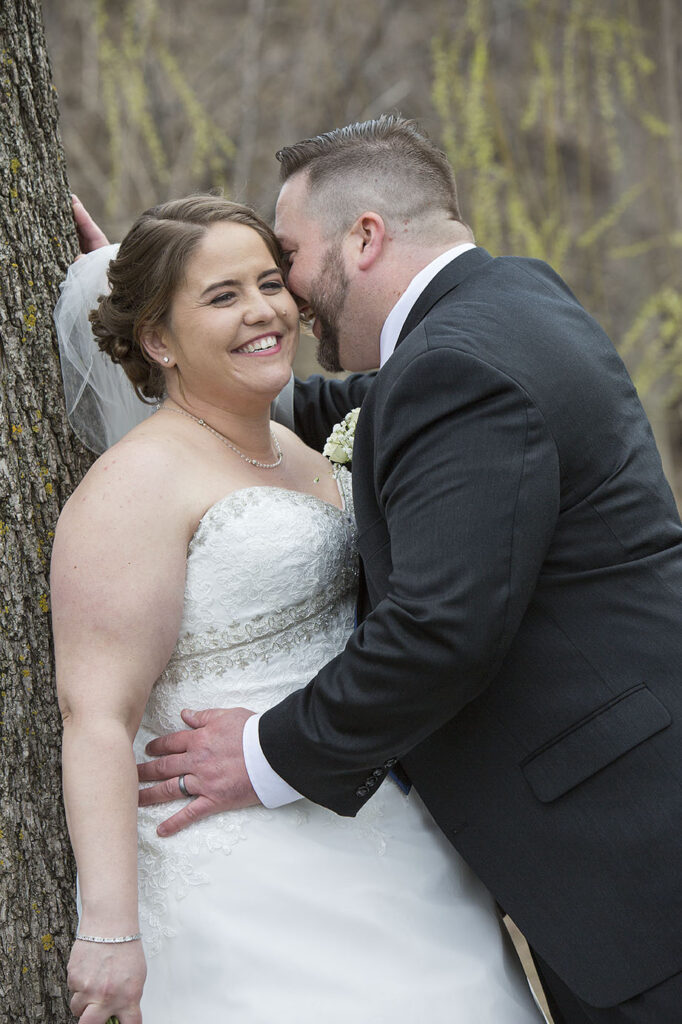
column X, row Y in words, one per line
column 298, row 916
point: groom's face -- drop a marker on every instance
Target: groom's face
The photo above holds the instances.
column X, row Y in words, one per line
column 316, row 272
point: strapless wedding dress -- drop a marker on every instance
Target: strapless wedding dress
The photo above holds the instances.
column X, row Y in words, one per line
column 298, row 916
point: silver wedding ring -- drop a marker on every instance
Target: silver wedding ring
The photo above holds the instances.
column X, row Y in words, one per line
column 182, row 787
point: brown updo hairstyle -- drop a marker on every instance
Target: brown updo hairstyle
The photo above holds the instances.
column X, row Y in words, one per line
column 146, row 273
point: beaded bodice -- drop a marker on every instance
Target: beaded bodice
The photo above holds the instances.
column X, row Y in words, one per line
column 269, row 598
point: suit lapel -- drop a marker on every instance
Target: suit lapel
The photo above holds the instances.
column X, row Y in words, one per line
column 448, row 278
column 445, row 281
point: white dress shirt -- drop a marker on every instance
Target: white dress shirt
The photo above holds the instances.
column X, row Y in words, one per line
column 271, row 789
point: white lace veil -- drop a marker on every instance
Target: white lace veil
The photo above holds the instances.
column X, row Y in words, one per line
column 101, row 403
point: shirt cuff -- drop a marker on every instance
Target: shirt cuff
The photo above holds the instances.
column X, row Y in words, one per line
column 271, row 789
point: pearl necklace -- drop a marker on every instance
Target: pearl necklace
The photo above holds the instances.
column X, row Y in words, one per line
column 225, row 440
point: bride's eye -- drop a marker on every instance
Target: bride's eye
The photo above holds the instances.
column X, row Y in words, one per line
column 221, row 299
column 272, row 286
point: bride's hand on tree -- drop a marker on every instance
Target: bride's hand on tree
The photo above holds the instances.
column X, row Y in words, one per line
column 106, row 980
column 210, row 757
column 90, row 236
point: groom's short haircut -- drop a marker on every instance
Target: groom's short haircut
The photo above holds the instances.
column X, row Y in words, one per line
column 387, row 165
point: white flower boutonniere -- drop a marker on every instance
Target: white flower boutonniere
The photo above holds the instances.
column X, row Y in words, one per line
column 339, row 446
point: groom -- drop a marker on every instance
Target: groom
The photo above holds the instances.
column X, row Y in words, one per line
column 519, row 652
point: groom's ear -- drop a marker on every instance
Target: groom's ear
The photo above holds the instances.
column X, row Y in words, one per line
column 367, row 237
column 154, row 345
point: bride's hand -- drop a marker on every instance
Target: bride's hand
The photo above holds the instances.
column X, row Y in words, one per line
column 106, row 980
column 209, row 755
column 90, row 236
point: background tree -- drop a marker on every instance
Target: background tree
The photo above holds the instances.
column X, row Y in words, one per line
column 39, row 465
column 563, row 124
column 561, row 117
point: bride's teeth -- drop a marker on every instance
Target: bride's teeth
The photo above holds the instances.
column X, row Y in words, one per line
column 257, row 346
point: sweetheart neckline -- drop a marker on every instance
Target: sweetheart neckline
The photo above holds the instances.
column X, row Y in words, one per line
column 342, row 510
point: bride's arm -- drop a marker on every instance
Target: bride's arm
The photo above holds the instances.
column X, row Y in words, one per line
column 117, row 582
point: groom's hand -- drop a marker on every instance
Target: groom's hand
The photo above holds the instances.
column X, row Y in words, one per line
column 210, row 757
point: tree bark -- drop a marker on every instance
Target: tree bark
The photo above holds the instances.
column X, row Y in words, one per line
column 40, row 463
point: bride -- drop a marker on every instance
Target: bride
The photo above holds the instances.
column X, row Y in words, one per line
column 208, row 558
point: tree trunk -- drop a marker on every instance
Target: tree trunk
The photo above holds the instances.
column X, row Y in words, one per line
column 40, row 463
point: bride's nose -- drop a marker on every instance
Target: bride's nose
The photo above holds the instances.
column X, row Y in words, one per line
column 258, row 309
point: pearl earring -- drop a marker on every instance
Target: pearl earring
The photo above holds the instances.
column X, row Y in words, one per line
column 166, row 359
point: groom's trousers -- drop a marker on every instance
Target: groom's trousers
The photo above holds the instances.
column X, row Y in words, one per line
column 661, row 1004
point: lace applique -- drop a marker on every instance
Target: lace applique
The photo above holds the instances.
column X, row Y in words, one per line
column 269, row 598
column 367, row 826
column 241, row 501
column 167, row 867
column 345, row 483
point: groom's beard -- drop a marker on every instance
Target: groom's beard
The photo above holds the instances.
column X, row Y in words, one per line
column 327, row 299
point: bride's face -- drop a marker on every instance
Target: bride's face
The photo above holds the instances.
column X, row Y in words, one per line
column 233, row 327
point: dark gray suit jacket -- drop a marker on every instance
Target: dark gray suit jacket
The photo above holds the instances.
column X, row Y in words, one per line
column 520, row 650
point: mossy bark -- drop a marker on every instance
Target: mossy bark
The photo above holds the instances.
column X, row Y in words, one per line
column 40, row 463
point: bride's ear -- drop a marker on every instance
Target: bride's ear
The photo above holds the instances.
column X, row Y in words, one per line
column 154, row 346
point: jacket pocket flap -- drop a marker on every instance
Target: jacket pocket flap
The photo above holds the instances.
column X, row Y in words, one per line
column 593, row 743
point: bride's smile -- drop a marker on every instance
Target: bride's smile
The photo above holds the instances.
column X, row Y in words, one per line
column 268, row 344
column 232, row 329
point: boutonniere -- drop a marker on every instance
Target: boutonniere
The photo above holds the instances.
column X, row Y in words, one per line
column 339, row 446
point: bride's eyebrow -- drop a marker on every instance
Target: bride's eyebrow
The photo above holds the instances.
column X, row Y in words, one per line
column 232, row 282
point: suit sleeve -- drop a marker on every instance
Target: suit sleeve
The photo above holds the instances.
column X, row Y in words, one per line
column 467, row 479
column 320, row 403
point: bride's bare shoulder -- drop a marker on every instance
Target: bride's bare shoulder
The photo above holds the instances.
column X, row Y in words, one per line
column 137, row 476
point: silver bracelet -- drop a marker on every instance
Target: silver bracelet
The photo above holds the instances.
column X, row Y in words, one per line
column 119, row 938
